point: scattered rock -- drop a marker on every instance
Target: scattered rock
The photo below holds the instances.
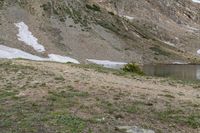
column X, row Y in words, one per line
column 101, row 119
column 198, row 96
column 134, row 129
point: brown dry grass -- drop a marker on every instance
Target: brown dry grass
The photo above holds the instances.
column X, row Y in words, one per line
column 97, row 101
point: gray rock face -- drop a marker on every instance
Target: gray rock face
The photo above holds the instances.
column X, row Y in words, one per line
column 134, row 129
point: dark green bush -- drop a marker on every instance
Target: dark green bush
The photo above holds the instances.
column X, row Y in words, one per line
column 1, row 3
column 133, row 68
column 93, row 7
column 46, row 7
column 111, row 13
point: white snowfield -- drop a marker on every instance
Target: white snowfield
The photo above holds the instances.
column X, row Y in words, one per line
column 62, row 59
column 169, row 43
column 129, row 17
column 179, row 63
column 13, row 53
column 107, row 63
column 26, row 36
column 197, row 1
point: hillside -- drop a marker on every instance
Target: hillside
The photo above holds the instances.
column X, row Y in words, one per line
column 145, row 31
column 38, row 97
column 50, row 83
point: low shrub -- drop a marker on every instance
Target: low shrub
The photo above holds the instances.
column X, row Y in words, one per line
column 93, row 7
column 133, row 68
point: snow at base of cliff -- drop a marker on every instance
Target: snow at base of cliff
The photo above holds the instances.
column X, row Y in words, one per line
column 62, row 59
column 13, row 53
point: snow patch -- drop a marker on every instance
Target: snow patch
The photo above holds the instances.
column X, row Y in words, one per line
column 107, row 63
column 191, row 29
column 196, row 1
column 13, row 53
column 62, row 59
column 198, row 51
column 128, row 17
column 179, row 63
column 26, row 36
column 169, row 43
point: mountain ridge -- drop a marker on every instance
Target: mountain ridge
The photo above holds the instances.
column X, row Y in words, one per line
column 143, row 31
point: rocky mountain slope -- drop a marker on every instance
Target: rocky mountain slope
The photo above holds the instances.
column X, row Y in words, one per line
column 143, row 31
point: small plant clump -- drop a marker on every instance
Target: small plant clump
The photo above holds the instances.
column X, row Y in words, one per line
column 1, row 3
column 159, row 51
column 93, row 7
column 111, row 13
column 133, row 68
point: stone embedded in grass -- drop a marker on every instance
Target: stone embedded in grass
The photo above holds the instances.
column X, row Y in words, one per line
column 134, row 129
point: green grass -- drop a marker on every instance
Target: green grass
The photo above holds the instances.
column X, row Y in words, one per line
column 137, row 107
column 27, row 117
column 67, row 109
column 101, row 69
column 173, row 81
column 22, row 115
column 132, row 109
column 9, row 65
column 108, row 25
column 61, row 78
column 69, row 123
column 70, row 93
column 6, row 94
column 191, row 119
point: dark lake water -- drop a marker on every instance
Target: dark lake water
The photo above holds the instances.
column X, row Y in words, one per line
column 185, row 72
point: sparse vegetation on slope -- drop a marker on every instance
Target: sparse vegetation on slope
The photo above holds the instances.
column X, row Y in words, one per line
column 1, row 3
column 50, row 97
